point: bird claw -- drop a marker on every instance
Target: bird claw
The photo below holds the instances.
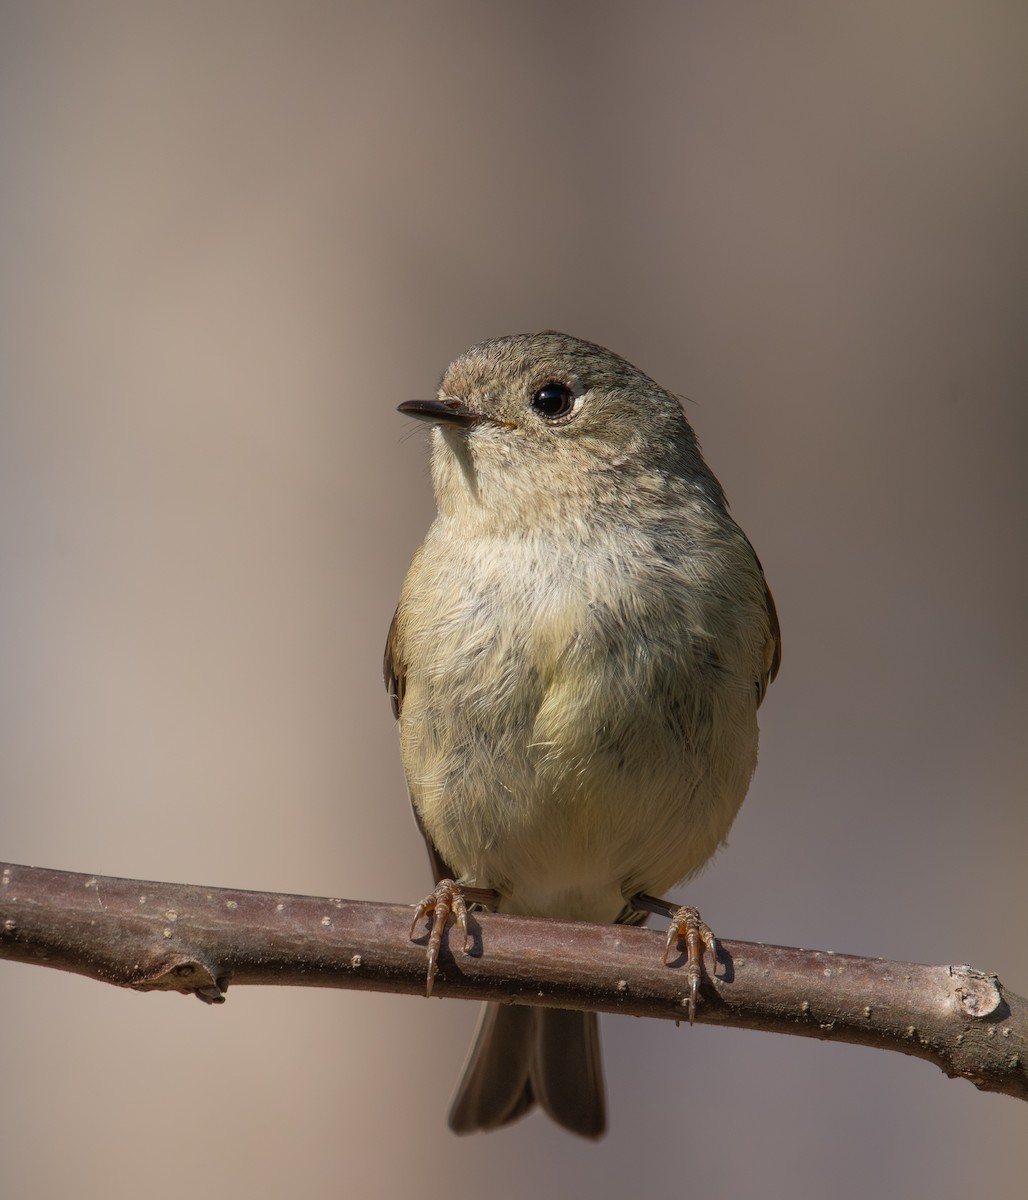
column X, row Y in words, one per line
column 687, row 923
column 446, row 898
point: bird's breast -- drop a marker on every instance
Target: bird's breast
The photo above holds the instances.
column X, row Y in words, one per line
column 570, row 728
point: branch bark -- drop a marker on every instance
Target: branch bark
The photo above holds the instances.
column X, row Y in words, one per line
column 199, row 940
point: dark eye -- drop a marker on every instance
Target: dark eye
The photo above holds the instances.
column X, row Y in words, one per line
column 553, row 400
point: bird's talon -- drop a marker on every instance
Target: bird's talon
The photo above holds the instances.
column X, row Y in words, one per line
column 446, row 898
column 688, row 924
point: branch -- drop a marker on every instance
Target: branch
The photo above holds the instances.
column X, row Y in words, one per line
column 178, row 937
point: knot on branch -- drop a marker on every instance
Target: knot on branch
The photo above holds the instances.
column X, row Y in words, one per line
column 182, row 973
column 978, row 992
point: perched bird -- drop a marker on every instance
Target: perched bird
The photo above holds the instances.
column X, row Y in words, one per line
column 576, row 662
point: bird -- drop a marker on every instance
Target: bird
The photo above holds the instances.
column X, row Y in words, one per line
column 575, row 664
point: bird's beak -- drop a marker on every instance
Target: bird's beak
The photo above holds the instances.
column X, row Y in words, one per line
column 441, row 412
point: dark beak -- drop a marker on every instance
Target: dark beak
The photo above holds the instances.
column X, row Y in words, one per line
column 441, row 412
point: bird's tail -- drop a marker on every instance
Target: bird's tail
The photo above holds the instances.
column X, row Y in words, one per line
column 524, row 1056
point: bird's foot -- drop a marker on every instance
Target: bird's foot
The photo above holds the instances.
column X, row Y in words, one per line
column 686, row 925
column 448, row 897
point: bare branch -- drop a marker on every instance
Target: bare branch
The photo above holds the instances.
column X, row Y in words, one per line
column 178, row 937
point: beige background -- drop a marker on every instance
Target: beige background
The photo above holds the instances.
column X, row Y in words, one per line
column 232, row 238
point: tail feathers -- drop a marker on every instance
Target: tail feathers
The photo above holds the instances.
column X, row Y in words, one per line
column 567, row 1070
column 522, row 1056
column 495, row 1087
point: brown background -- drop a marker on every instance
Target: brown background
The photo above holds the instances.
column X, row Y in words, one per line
column 234, row 237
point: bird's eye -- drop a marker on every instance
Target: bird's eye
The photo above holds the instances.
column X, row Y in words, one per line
column 553, row 400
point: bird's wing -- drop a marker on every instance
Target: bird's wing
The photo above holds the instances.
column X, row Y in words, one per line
column 394, row 671
column 773, row 646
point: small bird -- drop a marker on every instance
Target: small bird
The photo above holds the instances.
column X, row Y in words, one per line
column 576, row 662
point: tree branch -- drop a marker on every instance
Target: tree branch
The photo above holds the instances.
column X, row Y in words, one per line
column 178, row 937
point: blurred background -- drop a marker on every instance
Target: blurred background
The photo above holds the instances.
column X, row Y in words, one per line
column 233, row 236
